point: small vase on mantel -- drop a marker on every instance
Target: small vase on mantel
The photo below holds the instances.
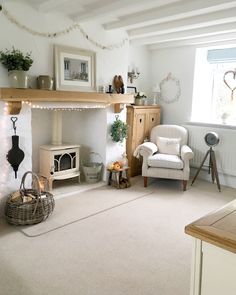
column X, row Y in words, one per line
column 18, row 79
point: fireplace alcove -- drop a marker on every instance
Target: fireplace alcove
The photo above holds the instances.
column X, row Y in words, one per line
column 81, row 132
column 87, row 127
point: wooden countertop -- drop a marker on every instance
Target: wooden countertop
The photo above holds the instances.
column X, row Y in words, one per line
column 217, row 228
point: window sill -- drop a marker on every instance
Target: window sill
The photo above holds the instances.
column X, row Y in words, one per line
column 214, row 125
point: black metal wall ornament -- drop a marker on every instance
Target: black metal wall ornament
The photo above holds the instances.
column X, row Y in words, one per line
column 15, row 155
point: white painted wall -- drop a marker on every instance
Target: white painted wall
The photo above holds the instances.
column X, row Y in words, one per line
column 180, row 62
column 42, row 126
column 139, row 56
column 109, row 64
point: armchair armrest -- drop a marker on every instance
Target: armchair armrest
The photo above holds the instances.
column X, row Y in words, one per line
column 186, row 153
column 146, row 148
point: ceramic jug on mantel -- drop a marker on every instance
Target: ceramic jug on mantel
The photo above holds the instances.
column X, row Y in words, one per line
column 45, row 82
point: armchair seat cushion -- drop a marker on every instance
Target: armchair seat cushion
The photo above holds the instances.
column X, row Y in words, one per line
column 165, row 161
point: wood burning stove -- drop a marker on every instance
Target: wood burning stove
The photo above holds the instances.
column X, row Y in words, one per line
column 59, row 162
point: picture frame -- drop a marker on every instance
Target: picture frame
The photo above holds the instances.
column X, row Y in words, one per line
column 75, row 69
column 131, row 89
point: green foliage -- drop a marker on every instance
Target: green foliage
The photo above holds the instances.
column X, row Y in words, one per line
column 15, row 60
column 140, row 95
column 119, row 130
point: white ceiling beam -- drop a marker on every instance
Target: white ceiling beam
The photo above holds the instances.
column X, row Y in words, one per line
column 188, row 34
column 104, row 8
column 221, row 39
column 52, row 5
column 174, row 11
column 219, row 17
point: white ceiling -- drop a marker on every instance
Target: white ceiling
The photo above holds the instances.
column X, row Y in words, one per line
column 156, row 23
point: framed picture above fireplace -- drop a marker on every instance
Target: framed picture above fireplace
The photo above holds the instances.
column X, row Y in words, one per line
column 75, row 69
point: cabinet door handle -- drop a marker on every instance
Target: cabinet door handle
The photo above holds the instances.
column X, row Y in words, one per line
column 152, row 119
column 140, row 120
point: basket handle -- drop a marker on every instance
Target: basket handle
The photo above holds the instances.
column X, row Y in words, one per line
column 34, row 175
column 38, row 190
column 97, row 154
column 82, row 161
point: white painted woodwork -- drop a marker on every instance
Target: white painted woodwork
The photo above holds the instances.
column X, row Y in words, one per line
column 50, row 5
column 175, row 11
column 213, row 270
column 196, row 267
column 190, row 34
column 185, row 24
column 218, row 271
column 110, row 9
column 220, row 39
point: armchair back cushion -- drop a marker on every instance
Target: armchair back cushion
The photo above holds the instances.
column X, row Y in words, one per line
column 169, row 131
column 168, row 145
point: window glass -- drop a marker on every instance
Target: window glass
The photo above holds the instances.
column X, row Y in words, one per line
column 214, row 92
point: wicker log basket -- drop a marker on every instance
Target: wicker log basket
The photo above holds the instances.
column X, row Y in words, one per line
column 29, row 206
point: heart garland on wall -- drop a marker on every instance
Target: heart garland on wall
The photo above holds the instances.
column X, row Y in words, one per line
column 230, row 82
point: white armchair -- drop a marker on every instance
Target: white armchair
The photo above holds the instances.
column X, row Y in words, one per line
column 167, row 154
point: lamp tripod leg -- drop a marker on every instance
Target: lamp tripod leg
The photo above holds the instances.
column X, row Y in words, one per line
column 215, row 170
column 199, row 169
column 211, row 166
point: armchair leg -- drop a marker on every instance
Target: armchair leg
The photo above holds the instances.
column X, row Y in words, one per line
column 184, row 185
column 145, row 181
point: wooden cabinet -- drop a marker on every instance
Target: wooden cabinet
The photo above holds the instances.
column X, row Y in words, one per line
column 213, row 270
column 214, row 253
column 140, row 120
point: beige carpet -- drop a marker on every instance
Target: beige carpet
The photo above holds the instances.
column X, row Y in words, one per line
column 83, row 205
column 139, row 248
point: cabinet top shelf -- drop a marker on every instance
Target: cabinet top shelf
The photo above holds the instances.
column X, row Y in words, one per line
column 217, row 228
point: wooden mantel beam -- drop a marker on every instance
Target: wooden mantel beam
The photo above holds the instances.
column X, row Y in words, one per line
column 15, row 96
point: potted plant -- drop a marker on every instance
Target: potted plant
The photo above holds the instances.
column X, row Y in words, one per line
column 17, row 65
column 139, row 98
column 119, row 130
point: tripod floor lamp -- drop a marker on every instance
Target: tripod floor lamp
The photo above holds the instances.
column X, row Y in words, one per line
column 211, row 139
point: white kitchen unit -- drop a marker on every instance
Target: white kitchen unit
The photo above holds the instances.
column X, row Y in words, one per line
column 214, row 252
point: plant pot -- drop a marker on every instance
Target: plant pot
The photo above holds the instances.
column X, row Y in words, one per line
column 139, row 101
column 18, row 79
column 45, row 82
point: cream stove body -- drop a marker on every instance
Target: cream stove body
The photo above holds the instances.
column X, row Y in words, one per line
column 58, row 162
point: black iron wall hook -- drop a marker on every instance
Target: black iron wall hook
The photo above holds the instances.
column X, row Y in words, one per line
column 14, row 119
column 15, row 155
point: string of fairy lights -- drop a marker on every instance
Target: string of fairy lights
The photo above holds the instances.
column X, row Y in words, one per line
column 69, row 29
column 81, row 107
